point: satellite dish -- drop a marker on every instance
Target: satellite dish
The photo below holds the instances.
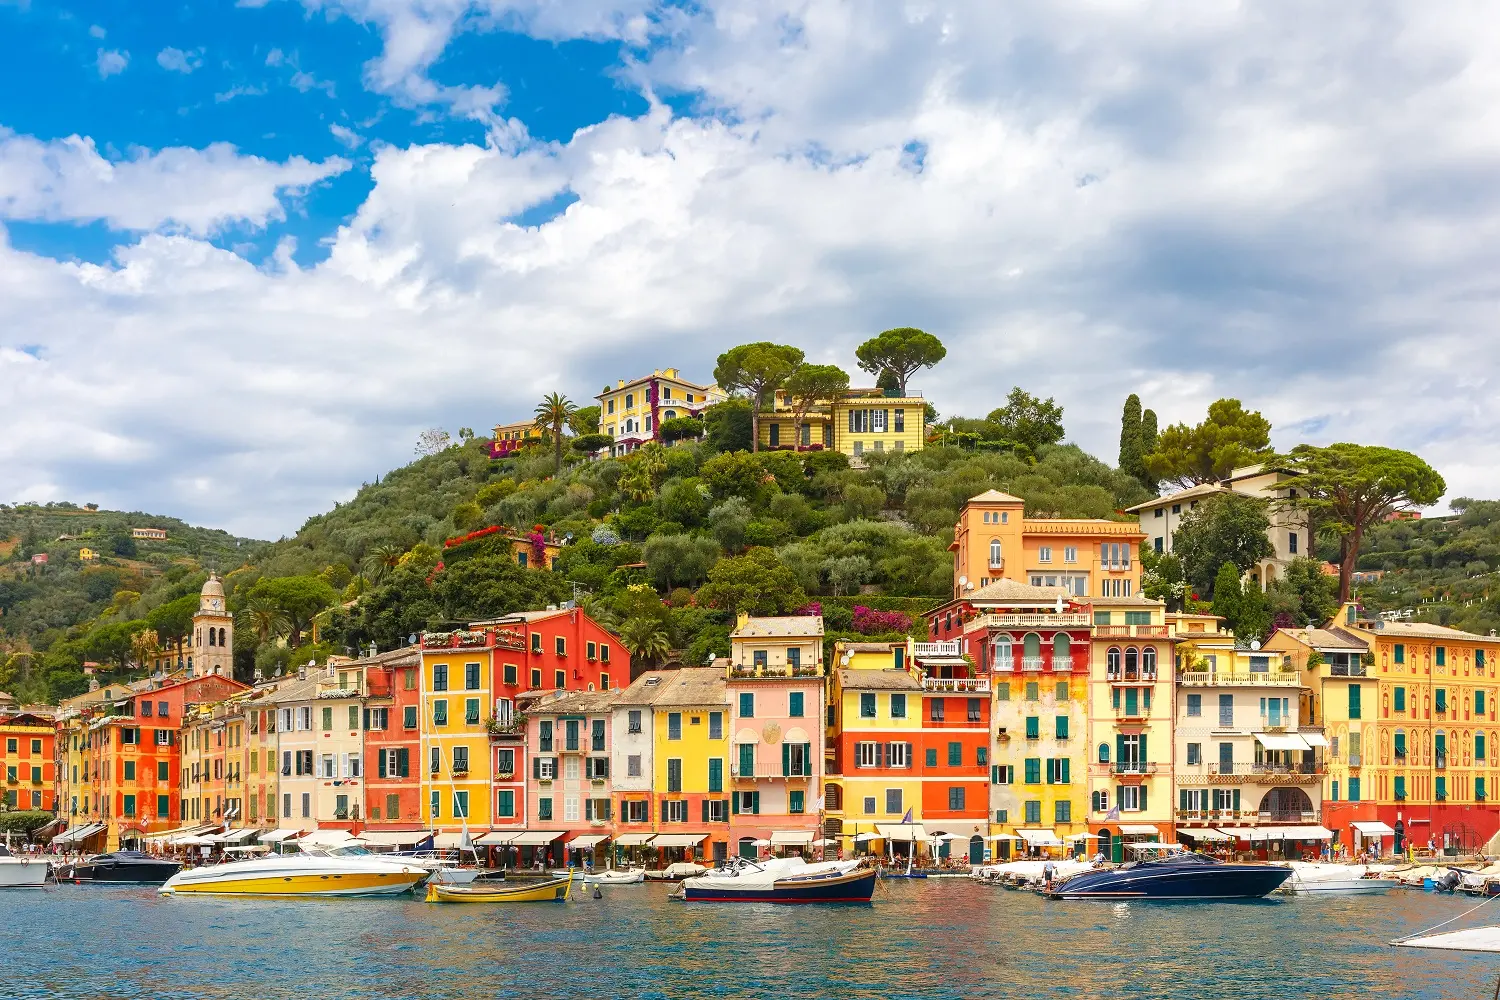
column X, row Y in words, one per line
column 411, row 640
column 1254, row 643
column 963, row 581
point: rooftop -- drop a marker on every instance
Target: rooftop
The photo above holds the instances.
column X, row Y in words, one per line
column 877, row 680
column 688, row 686
column 779, row 627
column 995, row 496
column 1423, row 630
column 576, row 703
column 1328, row 638
column 1014, row 591
column 1120, row 602
column 1191, row 493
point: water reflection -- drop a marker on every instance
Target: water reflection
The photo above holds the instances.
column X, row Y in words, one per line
column 918, row 940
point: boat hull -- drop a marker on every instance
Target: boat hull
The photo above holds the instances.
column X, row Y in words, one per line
column 151, row 874
column 334, row 884
column 1338, row 887
column 22, row 873
column 855, row 887
column 1208, row 882
column 551, row 890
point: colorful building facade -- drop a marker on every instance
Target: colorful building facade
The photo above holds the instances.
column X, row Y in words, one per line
column 28, row 757
column 632, row 412
column 860, row 421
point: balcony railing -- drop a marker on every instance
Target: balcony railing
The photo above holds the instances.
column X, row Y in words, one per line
column 1008, row 621
column 1127, row 631
column 943, row 648
column 1137, row 676
column 974, row 684
column 1032, row 662
column 1314, row 768
column 1203, row 678
column 775, row 670
column 1124, row 767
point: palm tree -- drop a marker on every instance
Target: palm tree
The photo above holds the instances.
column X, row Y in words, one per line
column 552, row 415
column 646, row 639
column 384, row 558
column 265, row 618
column 145, row 647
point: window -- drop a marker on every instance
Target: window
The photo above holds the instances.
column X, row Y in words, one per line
column 956, row 798
column 596, row 735
column 544, row 768
column 1033, row 691
column 1354, row 706
column 995, row 556
column 460, row 760
column 440, row 676
column 1226, row 711
column 794, row 704
column 1033, row 769
column 1033, row 727
column 1442, row 656
column 560, row 645
column 471, row 711
column 440, row 712
column 747, row 704
column 1033, row 812
column 1132, row 798
column 747, row 760
column 865, row 754
column 325, row 766
column 1194, row 706
column 327, row 718
column 1062, row 812
column 893, row 802
column 1059, row 771
column 509, row 672
column 1353, row 789
column 1195, row 753
column 1439, row 700
column 674, row 725
column 955, row 754
column 604, row 652
column 536, row 678
column 1478, row 702
column 935, row 709
column 1044, row 554
column 560, row 679
column 1398, row 702
column 898, row 754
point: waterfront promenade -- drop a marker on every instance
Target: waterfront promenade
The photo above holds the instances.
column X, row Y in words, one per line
column 917, row 942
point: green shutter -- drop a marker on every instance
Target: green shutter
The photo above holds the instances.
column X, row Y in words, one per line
column 704, row 804
column 1400, row 743
column 1182, row 799
column 1234, row 799
column 786, row 759
column 995, row 774
column 1048, row 768
column 1119, row 747
column 1067, row 777
column 1144, row 755
column 1062, row 727
column 734, row 803
column 755, row 803
column 1143, row 797
column 403, row 763
column 379, row 764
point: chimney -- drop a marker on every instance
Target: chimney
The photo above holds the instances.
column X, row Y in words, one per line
column 302, row 673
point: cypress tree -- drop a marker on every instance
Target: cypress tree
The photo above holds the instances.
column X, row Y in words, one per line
column 1130, row 436
column 1147, row 446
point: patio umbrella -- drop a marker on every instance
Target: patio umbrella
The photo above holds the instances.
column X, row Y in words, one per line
column 865, row 837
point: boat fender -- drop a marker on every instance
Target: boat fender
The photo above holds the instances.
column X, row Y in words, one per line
column 597, row 893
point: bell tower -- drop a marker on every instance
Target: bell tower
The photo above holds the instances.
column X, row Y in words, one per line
column 213, row 633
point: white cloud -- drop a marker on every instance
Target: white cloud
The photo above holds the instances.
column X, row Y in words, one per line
column 179, row 61
column 347, row 136
column 1298, row 208
column 95, row 31
column 111, row 62
column 196, row 191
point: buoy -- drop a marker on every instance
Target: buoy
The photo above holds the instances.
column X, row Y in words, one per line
column 597, row 893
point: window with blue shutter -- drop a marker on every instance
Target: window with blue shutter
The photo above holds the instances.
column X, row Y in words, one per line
column 747, row 760
column 1062, row 727
column 794, row 704
column 1354, row 705
column 1033, row 770
column 715, row 774
column 1399, row 701
column 1033, row 727
column 955, row 754
column 747, row 704
column 931, row 756
column 956, row 798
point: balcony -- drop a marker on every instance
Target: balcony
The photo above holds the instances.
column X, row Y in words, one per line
column 1010, row 621
column 944, row 648
column 1131, row 676
column 774, row 671
column 976, row 685
column 1128, row 768
column 1130, row 631
column 1279, row 678
column 1033, row 662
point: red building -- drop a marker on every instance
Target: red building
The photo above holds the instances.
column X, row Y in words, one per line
column 953, row 753
column 393, row 742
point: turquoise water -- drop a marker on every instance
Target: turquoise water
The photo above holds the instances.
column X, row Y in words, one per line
column 942, row 938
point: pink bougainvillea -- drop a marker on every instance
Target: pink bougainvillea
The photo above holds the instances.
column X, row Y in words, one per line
column 814, row 608
column 872, row 622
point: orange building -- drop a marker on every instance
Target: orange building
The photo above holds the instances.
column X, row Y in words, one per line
column 393, row 745
column 1086, row 557
column 29, row 760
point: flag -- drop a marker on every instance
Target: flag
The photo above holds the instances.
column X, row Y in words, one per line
column 1113, row 816
column 907, row 817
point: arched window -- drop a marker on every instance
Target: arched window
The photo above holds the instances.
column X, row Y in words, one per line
column 1002, row 656
column 1112, row 658
column 995, row 559
column 211, row 638
column 1104, row 847
column 1031, row 651
column 1062, row 647
column 1148, row 660
column 222, row 640
column 1132, row 661
column 1104, row 753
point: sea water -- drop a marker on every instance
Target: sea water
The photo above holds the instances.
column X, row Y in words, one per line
column 939, row 938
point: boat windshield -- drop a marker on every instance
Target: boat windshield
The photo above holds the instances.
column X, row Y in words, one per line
column 347, row 851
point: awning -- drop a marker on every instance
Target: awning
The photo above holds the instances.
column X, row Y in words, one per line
column 277, row 836
column 585, row 842
column 1281, row 741
column 536, row 838
column 791, row 838
column 1368, row 829
column 1138, row 830
column 179, row 832
column 1002, row 836
column 679, row 839
column 864, row 838
column 1314, row 739
column 1242, row 833
column 1298, row 833
column 386, row 839
column 233, row 836
column 942, row 661
column 1213, row 835
column 497, row 838
column 78, row 833
column 902, row 831
column 191, row 840
column 1040, row 838
column 453, row 841
column 633, row 839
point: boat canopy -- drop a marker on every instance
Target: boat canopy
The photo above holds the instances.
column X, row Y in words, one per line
column 1369, row 829
column 1281, row 741
column 679, row 839
column 791, row 838
column 902, row 831
column 585, row 842
column 278, row 836
column 633, row 839
column 1042, row 838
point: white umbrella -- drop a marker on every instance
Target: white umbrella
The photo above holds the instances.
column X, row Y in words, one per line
column 865, row 837
column 762, row 843
column 1002, row 836
column 827, row 842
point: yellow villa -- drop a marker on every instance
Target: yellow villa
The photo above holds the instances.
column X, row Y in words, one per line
column 1086, row 557
column 861, row 421
column 632, row 411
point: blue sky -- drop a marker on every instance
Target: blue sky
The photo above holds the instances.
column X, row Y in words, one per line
column 249, row 251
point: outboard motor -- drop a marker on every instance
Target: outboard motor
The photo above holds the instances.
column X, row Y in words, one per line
column 1449, row 881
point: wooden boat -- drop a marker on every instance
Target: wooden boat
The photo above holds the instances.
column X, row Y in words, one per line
column 547, row 890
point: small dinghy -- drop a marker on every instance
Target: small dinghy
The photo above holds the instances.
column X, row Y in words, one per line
column 616, row 876
column 544, row 891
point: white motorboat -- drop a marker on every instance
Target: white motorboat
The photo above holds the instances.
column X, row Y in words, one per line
column 783, row 880
column 676, row 872
column 1032, row 872
column 344, row 871
column 1310, row 878
column 21, row 872
column 615, row 876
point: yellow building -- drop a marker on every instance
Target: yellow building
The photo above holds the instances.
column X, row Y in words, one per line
column 261, row 758
column 874, row 734
column 1409, row 711
column 632, row 411
column 511, row 437
column 87, row 554
column 457, row 697
column 1087, row 557
column 690, row 757
column 1132, row 707
column 863, row 420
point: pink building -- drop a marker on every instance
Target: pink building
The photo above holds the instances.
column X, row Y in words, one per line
column 568, row 812
column 776, row 697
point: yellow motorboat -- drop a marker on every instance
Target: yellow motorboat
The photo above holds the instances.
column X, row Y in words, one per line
column 311, row 873
column 550, row 890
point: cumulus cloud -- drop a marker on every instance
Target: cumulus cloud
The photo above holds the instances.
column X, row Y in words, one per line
column 178, row 61
column 111, row 62
column 1298, row 208
column 197, row 191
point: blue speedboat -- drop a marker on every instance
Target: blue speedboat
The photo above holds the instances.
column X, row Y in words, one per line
column 1173, row 874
